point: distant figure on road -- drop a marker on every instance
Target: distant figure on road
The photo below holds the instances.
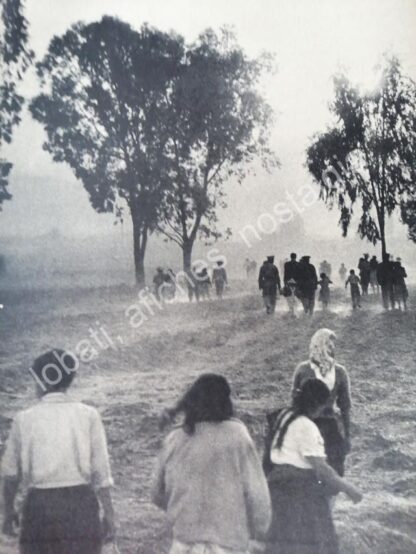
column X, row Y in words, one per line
column 250, row 267
column 365, row 270
column 269, row 283
column 385, row 278
column 324, row 293
column 158, row 281
column 342, row 272
column 326, row 268
column 289, row 292
column 307, row 284
column 169, row 286
column 373, row 275
column 354, row 282
column 192, row 284
column 400, row 289
column 246, row 266
column 291, row 269
column 204, row 284
column 219, row 278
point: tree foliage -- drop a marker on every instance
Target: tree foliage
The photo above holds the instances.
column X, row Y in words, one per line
column 104, row 108
column 219, row 124
column 366, row 160
column 15, row 58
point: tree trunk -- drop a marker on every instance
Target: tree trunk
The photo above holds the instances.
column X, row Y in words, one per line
column 139, row 250
column 187, row 255
column 383, row 239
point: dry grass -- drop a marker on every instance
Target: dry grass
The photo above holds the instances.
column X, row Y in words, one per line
column 258, row 355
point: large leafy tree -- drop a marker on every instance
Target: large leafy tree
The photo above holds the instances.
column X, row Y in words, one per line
column 104, row 108
column 219, row 124
column 15, row 58
column 365, row 162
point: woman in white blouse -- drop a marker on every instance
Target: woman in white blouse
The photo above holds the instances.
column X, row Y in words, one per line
column 300, row 480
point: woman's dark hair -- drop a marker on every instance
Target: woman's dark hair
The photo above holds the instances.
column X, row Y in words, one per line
column 54, row 370
column 208, row 399
column 312, row 394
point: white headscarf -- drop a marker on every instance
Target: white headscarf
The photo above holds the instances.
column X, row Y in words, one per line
column 321, row 359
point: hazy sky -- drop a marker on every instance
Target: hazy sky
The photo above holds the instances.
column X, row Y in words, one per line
column 310, row 38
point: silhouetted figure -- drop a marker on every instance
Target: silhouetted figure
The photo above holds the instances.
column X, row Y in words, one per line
column 385, row 278
column 326, row 268
column 354, row 282
column 289, row 292
column 324, row 293
column 193, row 285
column 219, row 278
column 400, row 290
column 373, row 275
column 291, row 269
column 307, row 284
column 247, row 267
column 169, row 286
column 204, row 284
column 365, row 269
column 269, row 282
column 342, row 272
column 158, row 281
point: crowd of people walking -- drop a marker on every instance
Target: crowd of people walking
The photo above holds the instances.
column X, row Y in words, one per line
column 209, row 479
column 300, row 282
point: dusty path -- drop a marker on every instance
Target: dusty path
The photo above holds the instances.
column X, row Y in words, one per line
column 154, row 363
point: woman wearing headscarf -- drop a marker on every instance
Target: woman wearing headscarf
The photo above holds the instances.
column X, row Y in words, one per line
column 299, row 477
column 209, row 478
column 333, row 424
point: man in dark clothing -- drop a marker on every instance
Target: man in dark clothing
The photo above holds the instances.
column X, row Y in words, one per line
column 399, row 284
column 385, row 278
column 365, row 271
column 269, row 282
column 158, row 281
column 291, row 269
column 219, row 278
column 307, row 284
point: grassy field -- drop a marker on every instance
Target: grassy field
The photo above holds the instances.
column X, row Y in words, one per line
column 148, row 367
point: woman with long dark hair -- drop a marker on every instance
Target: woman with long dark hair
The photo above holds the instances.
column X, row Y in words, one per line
column 209, row 478
column 300, row 480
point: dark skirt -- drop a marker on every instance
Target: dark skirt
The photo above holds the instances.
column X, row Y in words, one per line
column 332, row 431
column 61, row 521
column 301, row 521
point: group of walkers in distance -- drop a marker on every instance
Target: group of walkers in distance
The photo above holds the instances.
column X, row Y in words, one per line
column 198, row 283
column 388, row 275
column 209, row 479
column 300, row 281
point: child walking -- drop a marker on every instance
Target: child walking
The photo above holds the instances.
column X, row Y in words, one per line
column 289, row 292
column 324, row 293
column 354, row 282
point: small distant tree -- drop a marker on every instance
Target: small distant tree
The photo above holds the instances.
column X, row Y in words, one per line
column 15, row 58
column 366, row 160
column 219, row 124
column 104, row 108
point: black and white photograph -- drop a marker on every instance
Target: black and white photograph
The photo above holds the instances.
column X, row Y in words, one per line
column 208, row 277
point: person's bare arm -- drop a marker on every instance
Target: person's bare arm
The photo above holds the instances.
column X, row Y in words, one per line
column 329, row 476
column 104, row 496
